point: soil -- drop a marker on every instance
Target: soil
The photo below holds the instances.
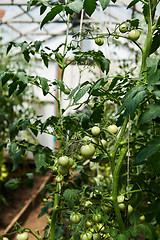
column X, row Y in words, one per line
column 17, row 199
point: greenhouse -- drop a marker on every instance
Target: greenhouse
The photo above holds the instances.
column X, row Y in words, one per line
column 80, row 119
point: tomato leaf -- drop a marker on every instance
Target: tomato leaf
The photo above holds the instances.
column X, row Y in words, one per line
column 80, row 93
column 148, row 151
column 148, row 231
column 134, row 217
column 13, row 184
column 44, row 84
column 52, row 14
column 70, row 196
column 76, row 6
column 132, row 3
column 151, row 112
column 132, row 99
column 89, row 6
column 39, row 159
column 104, row 3
column 45, row 209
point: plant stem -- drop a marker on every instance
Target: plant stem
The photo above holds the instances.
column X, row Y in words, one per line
column 148, row 43
column 115, row 189
column 118, row 144
column 54, row 213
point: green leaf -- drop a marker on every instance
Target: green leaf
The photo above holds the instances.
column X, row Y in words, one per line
column 155, row 42
column 80, row 93
column 104, row 3
column 153, row 71
column 132, row 3
column 15, row 155
column 73, row 91
column 122, row 237
column 5, row 77
column 13, row 184
column 151, row 112
column 148, row 231
column 70, row 196
column 52, row 14
column 148, row 151
column 89, row 6
column 39, row 159
column 44, row 84
column 132, row 99
column 44, row 210
column 76, row 6
column 134, row 217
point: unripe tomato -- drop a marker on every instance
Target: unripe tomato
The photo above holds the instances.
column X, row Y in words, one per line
column 142, row 218
column 70, row 162
column 97, row 218
column 79, row 157
column 67, row 91
column 87, row 151
column 89, row 223
column 22, row 236
column 63, row 170
column 86, row 236
column 88, row 203
column 96, row 236
column 130, row 209
column 95, row 131
column 123, row 28
column 99, row 41
column 134, row 34
column 63, row 161
column 5, row 238
column 104, row 143
column 75, row 218
column 122, row 206
column 59, row 179
column 120, row 199
column 112, row 128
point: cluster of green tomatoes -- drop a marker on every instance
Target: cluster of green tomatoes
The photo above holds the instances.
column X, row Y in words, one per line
column 133, row 34
column 3, row 173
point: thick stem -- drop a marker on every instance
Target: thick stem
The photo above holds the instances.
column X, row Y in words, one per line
column 115, row 189
column 148, row 42
column 118, row 144
column 54, row 214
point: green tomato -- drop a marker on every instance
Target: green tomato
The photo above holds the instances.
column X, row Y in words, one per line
column 67, row 91
column 104, row 143
column 89, row 223
column 142, row 218
column 120, row 199
column 97, row 218
column 123, row 28
column 63, row 161
column 130, row 209
column 95, row 131
column 112, row 128
column 71, row 162
column 122, row 206
column 75, row 218
column 96, row 236
column 87, row 151
column 63, row 170
column 99, row 41
column 59, row 179
column 134, row 34
column 79, row 157
column 22, row 236
column 5, row 238
column 86, row 236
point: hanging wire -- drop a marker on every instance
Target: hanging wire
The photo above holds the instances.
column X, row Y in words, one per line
column 128, row 158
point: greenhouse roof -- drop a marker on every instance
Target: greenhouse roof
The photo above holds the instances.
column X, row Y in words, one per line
column 16, row 24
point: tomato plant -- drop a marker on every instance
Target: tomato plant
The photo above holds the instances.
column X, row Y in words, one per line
column 107, row 153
